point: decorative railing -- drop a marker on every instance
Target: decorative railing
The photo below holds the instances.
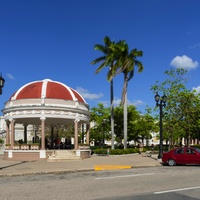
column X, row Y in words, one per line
column 34, row 146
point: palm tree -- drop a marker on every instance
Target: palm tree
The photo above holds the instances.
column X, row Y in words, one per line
column 128, row 71
column 107, row 60
column 118, row 58
column 126, row 62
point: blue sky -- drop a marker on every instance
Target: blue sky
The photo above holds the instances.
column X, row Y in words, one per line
column 55, row 39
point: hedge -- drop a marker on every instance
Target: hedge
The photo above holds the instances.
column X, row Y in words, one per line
column 116, row 151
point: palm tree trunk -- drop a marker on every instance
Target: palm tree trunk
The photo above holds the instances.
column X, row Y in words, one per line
column 125, row 109
column 125, row 121
column 112, row 113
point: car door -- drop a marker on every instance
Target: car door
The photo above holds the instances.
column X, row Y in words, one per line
column 192, row 156
column 179, row 156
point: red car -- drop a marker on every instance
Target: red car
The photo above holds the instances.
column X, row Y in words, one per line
column 182, row 156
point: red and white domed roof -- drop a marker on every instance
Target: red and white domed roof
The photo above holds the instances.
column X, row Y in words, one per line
column 47, row 89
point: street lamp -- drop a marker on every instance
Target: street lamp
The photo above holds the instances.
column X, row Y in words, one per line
column 161, row 102
column 2, row 81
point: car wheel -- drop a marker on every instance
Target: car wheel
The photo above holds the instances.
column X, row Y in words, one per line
column 171, row 162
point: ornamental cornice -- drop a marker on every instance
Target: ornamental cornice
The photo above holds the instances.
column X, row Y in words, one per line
column 46, row 113
column 40, row 112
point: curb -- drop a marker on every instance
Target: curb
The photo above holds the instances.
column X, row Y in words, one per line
column 44, row 173
column 11, row 173
column 72, row 171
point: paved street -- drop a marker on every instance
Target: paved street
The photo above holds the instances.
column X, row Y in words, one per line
column 139, row 183
column 14, row 168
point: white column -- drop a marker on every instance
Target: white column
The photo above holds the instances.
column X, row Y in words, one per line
column 7, row 132
column 88, row 134
column 43, row 133
column 12, row 139
column 76, row 133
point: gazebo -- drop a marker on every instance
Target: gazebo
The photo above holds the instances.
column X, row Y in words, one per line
column 44, row 103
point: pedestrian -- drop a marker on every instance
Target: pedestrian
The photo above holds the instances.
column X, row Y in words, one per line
column 108, row 152
column 152, row 147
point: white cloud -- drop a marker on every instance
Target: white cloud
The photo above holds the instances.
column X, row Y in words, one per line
column 87, row 94
column 184, row 62
column 197, row 89
column 105, row 103
column 10, row 76
column 117, row 102
column 92, row 96
column 136, row 103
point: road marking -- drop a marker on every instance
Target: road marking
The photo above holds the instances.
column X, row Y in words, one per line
column 125, row 176
column 176, row 190
column 111, row 167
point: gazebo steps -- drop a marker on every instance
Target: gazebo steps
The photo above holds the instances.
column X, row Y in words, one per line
column 61, row 159
column 60, row 155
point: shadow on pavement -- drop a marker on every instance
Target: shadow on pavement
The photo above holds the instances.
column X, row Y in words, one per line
column 13, row 165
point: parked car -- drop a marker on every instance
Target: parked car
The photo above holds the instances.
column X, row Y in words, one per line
column 182, row 156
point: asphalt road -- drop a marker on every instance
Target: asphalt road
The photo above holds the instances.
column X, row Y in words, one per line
column 179, row 182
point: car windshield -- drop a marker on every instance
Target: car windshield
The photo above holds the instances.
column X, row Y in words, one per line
column 198, row 150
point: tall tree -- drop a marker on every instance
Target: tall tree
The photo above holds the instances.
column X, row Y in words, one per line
column 133, row 117
column 100, row 130
column 182, row 109
column 119, row 59
column 107, row 60
column 126, row 62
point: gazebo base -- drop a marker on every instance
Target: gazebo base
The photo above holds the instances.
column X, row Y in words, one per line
column 60, row 155
column 24, row 155
column 49, row 155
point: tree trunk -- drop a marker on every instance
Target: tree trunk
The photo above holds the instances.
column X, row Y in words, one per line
column 125, row 122
column 125, row 110
column 112, row 114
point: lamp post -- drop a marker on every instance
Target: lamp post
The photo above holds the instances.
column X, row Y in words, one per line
column 161, row 102
column 2, row 81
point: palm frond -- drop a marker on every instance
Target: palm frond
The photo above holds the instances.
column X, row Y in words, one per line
column 107, row 41
column 100, row 48
column 100, row 67
column 100, row 59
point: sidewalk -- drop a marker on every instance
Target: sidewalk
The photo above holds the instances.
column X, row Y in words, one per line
column 17, row 168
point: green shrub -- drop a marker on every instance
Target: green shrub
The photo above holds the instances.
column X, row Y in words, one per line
column 20, row 141
column 116, row 151
column 196, row 146
column 100, row 151
column 1, row 141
